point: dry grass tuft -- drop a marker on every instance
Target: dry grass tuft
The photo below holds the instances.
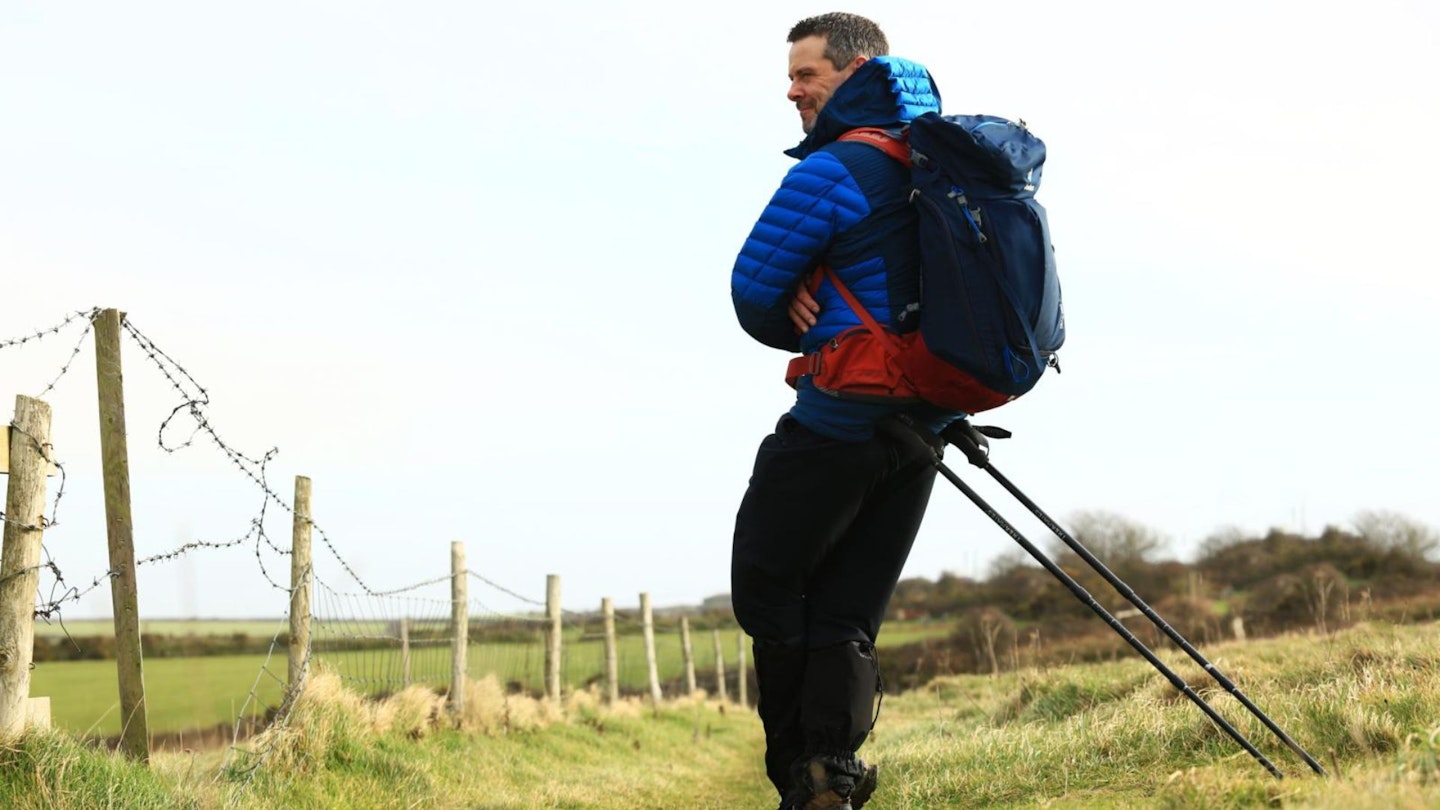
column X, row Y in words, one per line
column 489, row 710
column 414, row 711
column 327, row 717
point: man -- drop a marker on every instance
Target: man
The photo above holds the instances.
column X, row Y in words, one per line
column 832, row 507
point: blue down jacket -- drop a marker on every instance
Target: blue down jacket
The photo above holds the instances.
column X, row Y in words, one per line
column 845, row 205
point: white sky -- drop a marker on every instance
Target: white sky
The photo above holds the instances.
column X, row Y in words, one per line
column 468, row 268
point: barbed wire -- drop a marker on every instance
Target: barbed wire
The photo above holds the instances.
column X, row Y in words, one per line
column 41, row 334
column 49, row 609
column 45, row 449
column 393, row 592
column 64, row 369
column 194, row 403
column 492, row 613
column 505, row 590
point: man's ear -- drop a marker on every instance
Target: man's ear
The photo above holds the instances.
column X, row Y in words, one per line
column 858, row 61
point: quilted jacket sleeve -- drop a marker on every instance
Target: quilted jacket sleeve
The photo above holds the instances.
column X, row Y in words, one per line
column 817, row 200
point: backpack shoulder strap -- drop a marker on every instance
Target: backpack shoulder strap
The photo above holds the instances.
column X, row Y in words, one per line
column 896, row 146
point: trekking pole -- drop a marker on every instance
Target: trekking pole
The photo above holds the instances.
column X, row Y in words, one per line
column 908, row 433
column 970, row 440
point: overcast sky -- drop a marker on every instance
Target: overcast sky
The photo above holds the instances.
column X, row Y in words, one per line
column 467, row 267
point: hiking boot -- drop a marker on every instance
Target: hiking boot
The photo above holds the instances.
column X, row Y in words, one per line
column 865, row 787
column 832, row 783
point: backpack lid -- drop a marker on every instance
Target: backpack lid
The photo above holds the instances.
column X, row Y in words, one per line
column 980, row 153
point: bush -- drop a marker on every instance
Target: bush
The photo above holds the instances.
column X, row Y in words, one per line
column 1317, row 596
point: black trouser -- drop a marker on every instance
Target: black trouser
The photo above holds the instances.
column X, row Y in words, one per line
column 820, row 540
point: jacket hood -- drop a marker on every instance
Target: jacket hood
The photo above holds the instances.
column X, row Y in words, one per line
column 884, row 92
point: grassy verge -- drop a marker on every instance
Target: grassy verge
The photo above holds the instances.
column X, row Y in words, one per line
column 1365, row 702
column 343, row 751
column 1115, row 735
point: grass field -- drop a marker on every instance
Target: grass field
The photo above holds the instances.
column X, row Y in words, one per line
column 180, row 693
column 1116, row 735
column 192, row 693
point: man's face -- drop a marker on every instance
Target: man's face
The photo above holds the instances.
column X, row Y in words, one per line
column 813, row 78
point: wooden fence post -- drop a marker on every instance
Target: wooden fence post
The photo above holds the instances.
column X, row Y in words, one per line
column 612, row 660
column 744, row 687
column 687, row 653
column 552, row 647
column 20, row 560
column 459, row 626
column 648, row 622
column 719, row 669
column 404, row 651
column 301, row 575
column 119, row 530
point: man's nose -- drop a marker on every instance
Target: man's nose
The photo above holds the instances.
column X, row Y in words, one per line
column 795, row 93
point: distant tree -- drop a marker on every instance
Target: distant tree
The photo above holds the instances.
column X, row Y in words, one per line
column 1219, row 541
column 953, row 591
column 1020, row 588
column 1125, row 546
column 1392, row 531
column 912, row 595
column 1008, row 561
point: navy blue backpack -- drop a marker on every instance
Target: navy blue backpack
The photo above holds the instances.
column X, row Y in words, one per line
column 991, row 317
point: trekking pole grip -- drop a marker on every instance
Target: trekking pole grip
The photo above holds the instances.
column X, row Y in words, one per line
column 971, row 440
column 917, row 439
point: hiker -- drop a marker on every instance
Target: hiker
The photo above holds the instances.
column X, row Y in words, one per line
column 832, row 508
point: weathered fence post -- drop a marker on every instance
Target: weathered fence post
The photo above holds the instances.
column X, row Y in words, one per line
column 404, row 651
column 301, row 575
column 119, row 530
column 744, row 687
column 612, row 660
column 553, row 641
column 20, row 560
column 719, row 669
column 459, row 626
column 648, row 622
column 687, row 653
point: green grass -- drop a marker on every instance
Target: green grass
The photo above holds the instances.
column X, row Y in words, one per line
column 1113, row 735
column 1118, row 735
column 898, row 634
column 180, row 693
